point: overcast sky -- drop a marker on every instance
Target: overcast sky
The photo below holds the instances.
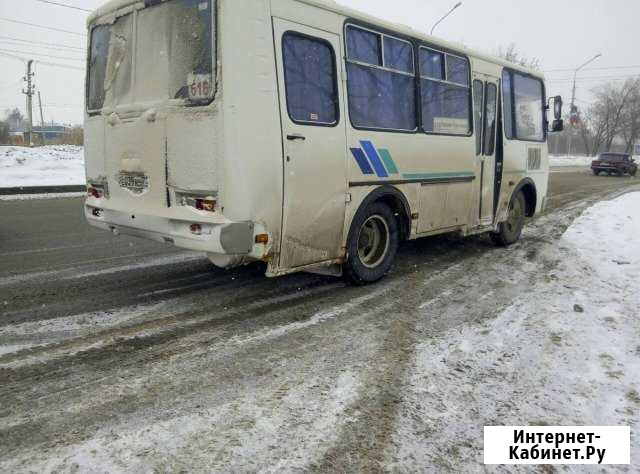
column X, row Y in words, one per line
column 562, row 34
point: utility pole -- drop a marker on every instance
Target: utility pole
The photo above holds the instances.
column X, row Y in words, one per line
column 41, row 114
column 29, row 93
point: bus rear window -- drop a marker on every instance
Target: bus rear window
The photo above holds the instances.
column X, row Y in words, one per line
column 173, row 55
column 100, row 37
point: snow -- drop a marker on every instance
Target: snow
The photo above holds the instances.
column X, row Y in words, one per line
column 570, row 160
column 607, row 237
column 53, row 165
column 567, row 353
column 37, row 197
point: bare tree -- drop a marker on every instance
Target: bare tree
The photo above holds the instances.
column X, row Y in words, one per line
column 631, row 117
column 511, row 54
column 614, row 116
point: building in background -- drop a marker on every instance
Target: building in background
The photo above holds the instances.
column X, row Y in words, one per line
column 50, row 133
column 637, row 149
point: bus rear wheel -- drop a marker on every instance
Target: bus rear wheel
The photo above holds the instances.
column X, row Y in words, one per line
column 510, row 230
column 372, row 244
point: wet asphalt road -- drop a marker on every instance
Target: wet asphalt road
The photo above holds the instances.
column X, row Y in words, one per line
column 119, row 354
column 52, row 235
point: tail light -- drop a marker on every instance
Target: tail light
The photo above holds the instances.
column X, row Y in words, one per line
column 95, row 192
column 208, row 205
column 200, row 203
column 98, row 190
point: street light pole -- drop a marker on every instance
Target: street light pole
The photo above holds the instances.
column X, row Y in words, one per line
column 455, row 7
column 573, row 99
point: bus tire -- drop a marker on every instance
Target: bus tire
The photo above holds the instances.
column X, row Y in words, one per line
column 372, row 244
column 510, row 230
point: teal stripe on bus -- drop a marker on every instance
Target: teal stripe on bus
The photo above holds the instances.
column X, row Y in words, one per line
column 388, row 161
column 438, row 175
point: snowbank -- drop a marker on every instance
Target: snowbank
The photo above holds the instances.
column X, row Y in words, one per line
column 55, row 165
column 570, row 160
column 566, row 353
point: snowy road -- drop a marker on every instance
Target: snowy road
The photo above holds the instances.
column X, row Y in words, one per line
column 121, row 355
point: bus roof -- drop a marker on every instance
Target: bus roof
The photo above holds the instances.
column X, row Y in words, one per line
column 114, row 5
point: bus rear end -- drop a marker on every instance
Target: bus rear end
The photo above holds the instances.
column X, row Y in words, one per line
column 154, row 128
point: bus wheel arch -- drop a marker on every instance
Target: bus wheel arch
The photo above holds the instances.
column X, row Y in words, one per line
column 528, row 188
column 380, row 223
column 397, row 202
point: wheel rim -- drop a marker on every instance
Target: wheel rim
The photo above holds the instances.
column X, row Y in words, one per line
column 516, row 215
column 373, row 241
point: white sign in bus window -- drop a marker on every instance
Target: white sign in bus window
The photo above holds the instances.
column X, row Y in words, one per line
column 454, row 126
column 200, row 87
column 529, row 121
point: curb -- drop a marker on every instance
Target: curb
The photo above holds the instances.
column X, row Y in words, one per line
column 42, row 190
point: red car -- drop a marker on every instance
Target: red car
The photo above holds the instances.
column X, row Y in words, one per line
column 614, row 163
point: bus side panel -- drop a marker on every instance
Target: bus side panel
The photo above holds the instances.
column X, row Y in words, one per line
column 516, row 168
column 251, row 169
column 416, row 156
column 94, row 148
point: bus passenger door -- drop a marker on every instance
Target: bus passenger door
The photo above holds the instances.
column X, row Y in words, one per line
column 314, row 144
column 486, row 117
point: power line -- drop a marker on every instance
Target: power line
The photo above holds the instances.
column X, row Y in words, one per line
column 43, row 27
column 29, row 53
column 63, row 66
column 42, row 63
column 54, row 48
column 594, row 68
column 12, row 56
column 64, row 5
column 598, row 78
column 42, row 43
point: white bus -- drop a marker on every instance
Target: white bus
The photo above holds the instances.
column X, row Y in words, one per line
column 303, row 134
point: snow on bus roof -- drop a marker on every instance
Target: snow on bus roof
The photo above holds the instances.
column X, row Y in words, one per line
column 113, row 6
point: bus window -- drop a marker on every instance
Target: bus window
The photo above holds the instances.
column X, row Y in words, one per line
column 398, row 55
column 523, row 107
column 490, row 119
column 478, row 101
column 528, row 108
column 310, row 80
column 100, row 38
column 432, row 64
column 381, row 88
column 507, row 100
column 457, row 70
column 445, row 102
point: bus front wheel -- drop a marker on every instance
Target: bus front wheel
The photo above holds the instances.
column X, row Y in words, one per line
column 372, row 244
column 510, row 230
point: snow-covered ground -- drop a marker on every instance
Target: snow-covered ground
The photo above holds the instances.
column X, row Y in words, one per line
column 53, row 165
column 570, row 160
column 574, row 160
column 568, row 353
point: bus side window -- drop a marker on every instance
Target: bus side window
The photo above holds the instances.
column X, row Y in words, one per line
column 524, row 106
column 381, row 81
column 478, row 106
column 310, row 80
column 507, row 100
column 446, row 93
column 490, row 119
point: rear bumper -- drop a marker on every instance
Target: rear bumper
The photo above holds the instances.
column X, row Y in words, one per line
column 228, row 238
